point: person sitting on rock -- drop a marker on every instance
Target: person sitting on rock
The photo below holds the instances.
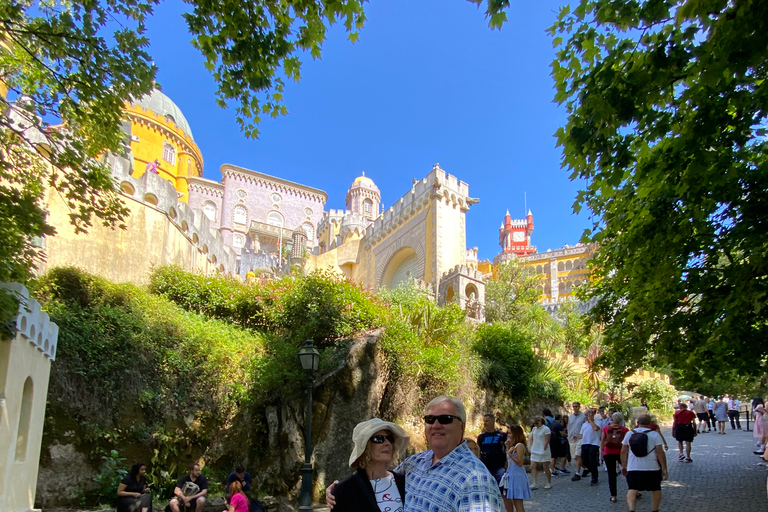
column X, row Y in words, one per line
column 133, row 492
column 190, row 491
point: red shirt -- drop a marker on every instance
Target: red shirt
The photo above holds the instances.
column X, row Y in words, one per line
column 683, row 417
column 609, row 450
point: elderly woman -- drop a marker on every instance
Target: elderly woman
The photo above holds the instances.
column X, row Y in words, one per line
column 133, row 493
column 373, row 488
column 613, row 435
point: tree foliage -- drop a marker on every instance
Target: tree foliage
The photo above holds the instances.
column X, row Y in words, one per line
column 514, row 291
column 666, row 104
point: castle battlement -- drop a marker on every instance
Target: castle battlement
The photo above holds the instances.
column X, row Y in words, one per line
column 577, row 250
column 436, row 185
column 463, row 270
column 335, row 213
column 517, row 223
column 155, row 192
column 33, row 323
column 205, row 186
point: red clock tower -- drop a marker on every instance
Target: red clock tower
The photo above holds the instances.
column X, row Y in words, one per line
column 515, row 235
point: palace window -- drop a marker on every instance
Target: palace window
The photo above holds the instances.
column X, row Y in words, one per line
column 169, row 153
column 367, row 206
column 209, row 209
column 238, row 241
column 240, row 214
column 275, row 219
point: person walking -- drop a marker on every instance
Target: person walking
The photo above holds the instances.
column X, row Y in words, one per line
column 590, row 446
column 684, row 430
column 575, row 422
column 710, row 411
column 733, row 413
column 558, row 446
column 491, row 442
column 758, row 431
column 540, row 453
column 517, row 486
column 643, row 462
column 700, row 408
column 721, row 415
column 610, row 442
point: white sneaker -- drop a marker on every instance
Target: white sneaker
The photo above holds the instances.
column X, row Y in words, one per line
column 534, row 487
column 548, row 486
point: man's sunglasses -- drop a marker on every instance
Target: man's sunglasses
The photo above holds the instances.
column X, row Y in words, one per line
column 443, row 419
column 381, row 438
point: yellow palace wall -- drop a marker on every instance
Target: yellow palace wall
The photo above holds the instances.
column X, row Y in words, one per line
column 150, row 240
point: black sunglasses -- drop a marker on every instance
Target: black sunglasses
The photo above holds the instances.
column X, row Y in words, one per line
column 443, row 419
column 379, row 439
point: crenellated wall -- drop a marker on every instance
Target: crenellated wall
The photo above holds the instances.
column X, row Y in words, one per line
column 25, row 364
column 160, row 230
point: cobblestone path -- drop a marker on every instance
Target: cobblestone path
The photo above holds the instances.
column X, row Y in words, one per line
column 723, row 477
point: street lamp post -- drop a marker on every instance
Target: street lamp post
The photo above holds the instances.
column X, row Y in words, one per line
column 309, row 357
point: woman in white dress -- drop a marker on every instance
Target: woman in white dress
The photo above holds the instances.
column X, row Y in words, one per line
column 538, row 442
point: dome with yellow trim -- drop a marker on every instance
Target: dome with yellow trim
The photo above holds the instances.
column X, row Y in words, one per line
column 364, row 181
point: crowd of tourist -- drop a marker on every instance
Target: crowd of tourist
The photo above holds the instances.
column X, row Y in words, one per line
column 461, row 474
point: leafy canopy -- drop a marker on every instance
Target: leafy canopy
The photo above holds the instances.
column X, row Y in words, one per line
column 666, row 106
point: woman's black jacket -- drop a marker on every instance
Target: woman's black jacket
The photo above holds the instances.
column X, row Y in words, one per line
column 355, row 493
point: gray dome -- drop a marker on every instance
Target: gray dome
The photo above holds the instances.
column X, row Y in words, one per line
column 161, row 104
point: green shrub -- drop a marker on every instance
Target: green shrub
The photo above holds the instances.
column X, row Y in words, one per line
column 322, row 306
column 509, row 365
column 659, row 396
column 426, row 345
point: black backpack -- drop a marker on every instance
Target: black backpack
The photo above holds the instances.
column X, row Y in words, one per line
column 638, row 443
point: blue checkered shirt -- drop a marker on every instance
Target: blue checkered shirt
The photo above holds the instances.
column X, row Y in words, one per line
column 458, row 482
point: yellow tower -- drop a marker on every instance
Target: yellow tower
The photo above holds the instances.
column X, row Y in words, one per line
column 161, row 141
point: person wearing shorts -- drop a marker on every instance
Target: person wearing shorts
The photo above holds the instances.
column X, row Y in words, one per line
column 575, row 422
column 644, row 473
column 700, row 408
column 684, row 430
column 190, row 491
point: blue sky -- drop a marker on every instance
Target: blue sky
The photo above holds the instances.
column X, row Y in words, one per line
column 428, row 82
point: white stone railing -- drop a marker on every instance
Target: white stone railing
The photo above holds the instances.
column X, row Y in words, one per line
column 33, row 323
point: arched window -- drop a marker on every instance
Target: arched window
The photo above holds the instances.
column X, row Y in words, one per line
column 275, row 219
column 538, row 269
column 367, row 206
column 547, row 268
column 209, row 209
column 568, row 286
column 238, row 241
column 569, row 265
column 169, row 153
column 547, row 289
column 25, row 417
column 560, row 266
column 561, row 288
column 309, row 229
column 240, row 214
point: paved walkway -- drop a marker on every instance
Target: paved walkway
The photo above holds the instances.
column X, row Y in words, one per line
column 723, row 477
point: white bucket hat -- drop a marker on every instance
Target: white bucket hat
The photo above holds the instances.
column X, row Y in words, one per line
column 365, row 430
